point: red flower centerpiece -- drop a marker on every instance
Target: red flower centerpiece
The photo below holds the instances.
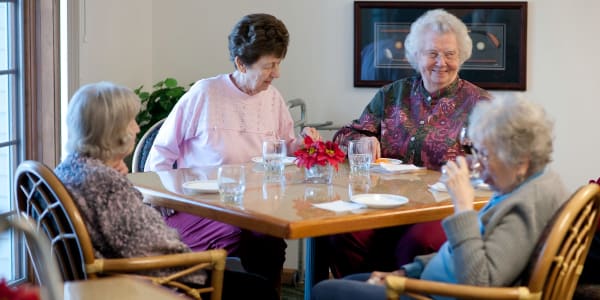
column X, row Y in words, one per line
column 319, row 158
column 22, row 292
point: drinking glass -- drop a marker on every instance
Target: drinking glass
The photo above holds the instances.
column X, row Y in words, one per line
column 232, row 183
column 359, row 184
column 471, row 157
column 465, row 142
column 474, row 164
column 360, row 154
column 273, row 154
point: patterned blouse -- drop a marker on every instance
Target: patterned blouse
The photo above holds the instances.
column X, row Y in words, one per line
column 119, row 223
column 413, row 125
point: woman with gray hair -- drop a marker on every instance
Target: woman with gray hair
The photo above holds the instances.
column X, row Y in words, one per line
column 102, row 129
column 513, row 141
column 418, row 120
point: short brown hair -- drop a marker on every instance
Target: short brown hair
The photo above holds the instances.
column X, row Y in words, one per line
column 257, row 35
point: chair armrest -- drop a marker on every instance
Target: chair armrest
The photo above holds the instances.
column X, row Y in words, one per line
column 397, row 285
column 134, row 264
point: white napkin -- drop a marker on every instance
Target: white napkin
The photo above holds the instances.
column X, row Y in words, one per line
column 339, row 206
column 399, row 168
column 440, row 187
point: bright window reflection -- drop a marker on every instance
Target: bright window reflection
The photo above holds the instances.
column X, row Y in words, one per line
column 11, row 267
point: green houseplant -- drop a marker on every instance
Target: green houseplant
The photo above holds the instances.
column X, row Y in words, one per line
column 156, row 105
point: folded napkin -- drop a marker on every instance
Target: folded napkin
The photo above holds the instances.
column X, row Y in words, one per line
column 398, row 167
column 339, row 206
column 440, row 187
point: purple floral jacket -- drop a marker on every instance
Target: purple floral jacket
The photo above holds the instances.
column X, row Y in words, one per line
column 413, row 125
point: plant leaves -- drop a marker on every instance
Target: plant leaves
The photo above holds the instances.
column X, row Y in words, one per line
column 170, row 82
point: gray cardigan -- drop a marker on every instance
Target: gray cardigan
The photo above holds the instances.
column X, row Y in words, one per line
column 512, row 229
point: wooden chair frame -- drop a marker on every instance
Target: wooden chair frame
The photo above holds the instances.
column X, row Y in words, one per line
column 555, row 265
column 42, row 196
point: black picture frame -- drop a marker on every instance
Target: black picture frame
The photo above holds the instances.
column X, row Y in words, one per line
column 498, row 31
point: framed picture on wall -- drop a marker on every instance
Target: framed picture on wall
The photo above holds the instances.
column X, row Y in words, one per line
column 498, row 31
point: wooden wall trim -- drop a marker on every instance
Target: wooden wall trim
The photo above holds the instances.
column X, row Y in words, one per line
column 42, row 80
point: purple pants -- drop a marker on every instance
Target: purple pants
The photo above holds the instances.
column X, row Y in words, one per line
column 260, row 254
column 383, row 249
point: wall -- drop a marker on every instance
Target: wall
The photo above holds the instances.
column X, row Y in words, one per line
column 139, row 42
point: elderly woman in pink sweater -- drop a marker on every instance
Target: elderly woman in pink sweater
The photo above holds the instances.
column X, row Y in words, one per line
column 223, row 120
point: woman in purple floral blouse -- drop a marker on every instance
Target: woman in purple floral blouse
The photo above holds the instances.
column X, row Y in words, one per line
column 417, row 120
column 102, row 129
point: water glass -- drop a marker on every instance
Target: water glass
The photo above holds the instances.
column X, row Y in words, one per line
column 474, row 171
column 360, row 155
column 232, row 183
column 359, row 184
column 273, row 154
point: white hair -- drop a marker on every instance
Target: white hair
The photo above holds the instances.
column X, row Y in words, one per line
column 439, row 21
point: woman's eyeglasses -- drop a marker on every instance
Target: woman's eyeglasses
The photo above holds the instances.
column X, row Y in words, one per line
column 482, row 156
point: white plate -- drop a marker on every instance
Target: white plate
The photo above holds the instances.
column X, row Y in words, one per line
column 379, row 200
column 288, row 160
column 391, row 161
column 204, row 186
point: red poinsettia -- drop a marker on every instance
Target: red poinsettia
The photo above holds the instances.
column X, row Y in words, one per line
column 319, row 153
column 22, row 292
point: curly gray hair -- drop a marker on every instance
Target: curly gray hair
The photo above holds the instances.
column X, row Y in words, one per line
column 439, row 21
column 98, row 117
column 516, row 128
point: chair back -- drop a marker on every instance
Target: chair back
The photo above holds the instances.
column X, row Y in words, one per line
column 38, row 247
column 297, row 108
column 42, row 196
column 562, row 250
column 140, row 153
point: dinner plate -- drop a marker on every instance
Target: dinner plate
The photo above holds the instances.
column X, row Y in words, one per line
column 203, row 186
column 288, row 160
column 391, row 161
column 379, row 200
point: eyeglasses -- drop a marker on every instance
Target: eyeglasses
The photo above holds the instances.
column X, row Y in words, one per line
column 434, row 54
column 482, row 156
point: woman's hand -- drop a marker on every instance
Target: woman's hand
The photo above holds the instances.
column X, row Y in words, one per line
column 459, row 185
column 312, row 132
column 299, row 142
column 120, row 166
column 376, row 147
column 378, row 278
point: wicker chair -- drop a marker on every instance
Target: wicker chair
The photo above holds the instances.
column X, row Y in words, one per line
column 140, row 153
column 554, row 267
column 38, row 247
column 43, row 197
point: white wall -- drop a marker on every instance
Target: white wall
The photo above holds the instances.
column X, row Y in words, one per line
column 115, row 41
column 138, row 42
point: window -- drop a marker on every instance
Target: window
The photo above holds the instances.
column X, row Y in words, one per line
column 11, row 136
column 29, row 105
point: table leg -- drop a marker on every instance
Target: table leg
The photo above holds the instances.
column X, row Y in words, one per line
column 309, row 266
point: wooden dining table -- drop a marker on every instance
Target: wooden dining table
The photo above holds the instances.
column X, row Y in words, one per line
column 117, row 288
column 286, row 209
